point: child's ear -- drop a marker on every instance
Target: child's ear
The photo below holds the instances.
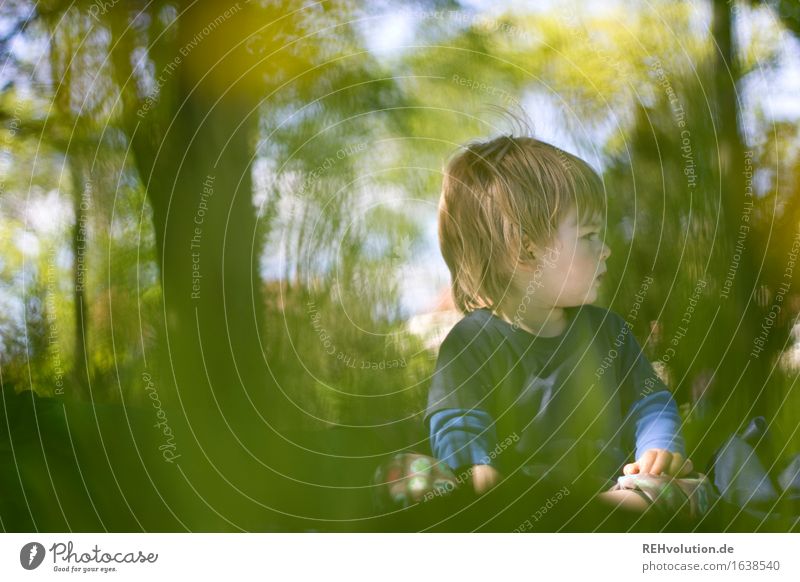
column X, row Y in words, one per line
column 529, row 249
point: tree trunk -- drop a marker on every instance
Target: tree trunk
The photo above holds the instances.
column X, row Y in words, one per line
column 740, row 378
column 66, row 123
column 211, row 376
column 82, row 366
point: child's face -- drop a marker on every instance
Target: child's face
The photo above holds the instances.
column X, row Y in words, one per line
column 568, row 271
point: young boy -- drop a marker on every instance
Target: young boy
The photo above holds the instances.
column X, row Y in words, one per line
column 535, row 379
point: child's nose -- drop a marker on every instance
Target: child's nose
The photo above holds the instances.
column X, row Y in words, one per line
column 606, row 252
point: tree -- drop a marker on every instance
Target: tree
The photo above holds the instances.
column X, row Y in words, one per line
column 194, row 90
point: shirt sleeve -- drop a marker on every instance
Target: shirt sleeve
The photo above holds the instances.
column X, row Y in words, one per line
column 462, row 378
column 657, row 424
column 460, row 399
column 652, row 415
column 462, row 437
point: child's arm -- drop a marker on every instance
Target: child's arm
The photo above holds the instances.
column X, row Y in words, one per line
column 659, row 444
column 654, row 414
column 462, row 431
column 463, row 438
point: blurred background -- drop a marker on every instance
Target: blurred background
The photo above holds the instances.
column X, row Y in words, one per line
column 221, row 294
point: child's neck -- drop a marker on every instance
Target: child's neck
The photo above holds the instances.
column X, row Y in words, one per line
column 540, row 321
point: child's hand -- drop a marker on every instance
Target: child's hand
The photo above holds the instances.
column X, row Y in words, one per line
column 484, row 477
column 657, row 461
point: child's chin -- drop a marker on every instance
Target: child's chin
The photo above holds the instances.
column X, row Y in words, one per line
column 590, row 297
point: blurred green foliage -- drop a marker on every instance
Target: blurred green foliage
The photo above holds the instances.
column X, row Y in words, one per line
column 345, row 148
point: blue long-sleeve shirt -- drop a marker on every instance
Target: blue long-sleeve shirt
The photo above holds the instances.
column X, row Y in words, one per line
column 504, row 397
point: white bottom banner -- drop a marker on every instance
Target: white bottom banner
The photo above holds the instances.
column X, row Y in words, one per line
column 400, row 557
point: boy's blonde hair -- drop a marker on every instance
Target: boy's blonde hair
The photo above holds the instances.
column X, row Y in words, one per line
column 494, row 192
